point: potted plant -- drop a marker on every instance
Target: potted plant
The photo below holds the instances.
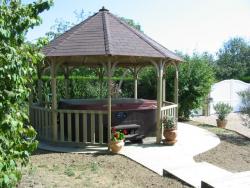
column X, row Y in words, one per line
column 170, row 134
column 117, row 140
column 222, row 109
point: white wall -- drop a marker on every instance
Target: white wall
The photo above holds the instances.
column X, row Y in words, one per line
column 227, row 91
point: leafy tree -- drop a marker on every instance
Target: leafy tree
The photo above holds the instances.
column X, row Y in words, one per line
column 17, row 60
column 196, row 75
column 195, row 79
column 61, row 25
column 233, row 59
column 132, row 23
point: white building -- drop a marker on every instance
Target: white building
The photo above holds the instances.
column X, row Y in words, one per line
column 227, row 91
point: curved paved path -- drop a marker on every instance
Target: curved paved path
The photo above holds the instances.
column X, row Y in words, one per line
column 235, row 123
column 191, row 141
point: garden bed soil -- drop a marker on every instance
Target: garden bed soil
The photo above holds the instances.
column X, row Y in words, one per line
column 232, row 154
column 49, row 169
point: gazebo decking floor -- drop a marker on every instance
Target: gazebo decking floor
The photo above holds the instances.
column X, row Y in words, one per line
column 191, row 141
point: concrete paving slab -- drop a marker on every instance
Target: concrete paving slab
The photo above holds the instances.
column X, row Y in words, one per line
column 241, row 179
column 194, row 174
column 191, row 141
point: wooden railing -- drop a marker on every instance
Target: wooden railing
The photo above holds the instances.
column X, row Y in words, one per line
column 79, row 127
column 169, row 109
column 40, row 119
column 82, row 126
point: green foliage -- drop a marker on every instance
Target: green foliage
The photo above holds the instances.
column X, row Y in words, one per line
column 117, row 135
column 84, row 87
column 196, row 76
column 245, row 108
column 132, row 23
column 169, row 122
column 69, row 171
column 222, row 109
column 147, row 85
column 245, row 79
column 233, row 60
column 17, row 61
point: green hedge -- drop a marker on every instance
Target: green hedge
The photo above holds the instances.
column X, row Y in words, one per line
column 245, row 79
column 84, row 87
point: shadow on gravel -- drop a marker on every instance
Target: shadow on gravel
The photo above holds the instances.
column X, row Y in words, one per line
column 235, row 139
column 42, row 152
column 101, row 153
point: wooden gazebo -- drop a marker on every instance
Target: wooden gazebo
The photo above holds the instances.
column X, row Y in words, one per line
column 102, row 40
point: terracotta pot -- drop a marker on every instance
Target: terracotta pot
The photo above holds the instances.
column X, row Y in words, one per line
column 221, row 123
column 170, row 134
column 116, row 146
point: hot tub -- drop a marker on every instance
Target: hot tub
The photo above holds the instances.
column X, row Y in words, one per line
column 124, row 111
column 122, row 104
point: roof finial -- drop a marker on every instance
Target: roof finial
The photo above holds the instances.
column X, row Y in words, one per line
column 103, row 9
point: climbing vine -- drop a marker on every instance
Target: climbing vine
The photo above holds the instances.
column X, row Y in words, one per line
column 17, row 62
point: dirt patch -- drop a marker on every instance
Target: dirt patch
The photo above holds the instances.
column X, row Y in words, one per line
column 232, row 154
column 89, row 170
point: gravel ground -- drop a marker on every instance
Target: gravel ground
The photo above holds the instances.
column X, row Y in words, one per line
column 235, row 122
column 90, row 170
column 232, row 154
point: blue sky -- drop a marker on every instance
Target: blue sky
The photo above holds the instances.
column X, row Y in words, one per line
column 186, row 25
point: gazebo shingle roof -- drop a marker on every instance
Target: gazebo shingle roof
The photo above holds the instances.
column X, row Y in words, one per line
column 104, row 34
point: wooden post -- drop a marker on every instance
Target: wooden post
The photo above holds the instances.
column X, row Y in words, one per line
column 101, row 75
column 31, row 97
column 66, row 82
column 164, row 87
column 109, row 100
column 54, row 101
column 159, row 102
column 135, row 72
column 40, row 86
column 135, row 84
column 176, row 80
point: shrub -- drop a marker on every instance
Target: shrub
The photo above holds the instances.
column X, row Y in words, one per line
column 147, row 84
column 169, row 122
column 245, row 108
column 222, row 109
column 245, row 79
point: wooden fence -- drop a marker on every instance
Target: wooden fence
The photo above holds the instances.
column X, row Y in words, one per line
column 40, row 118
